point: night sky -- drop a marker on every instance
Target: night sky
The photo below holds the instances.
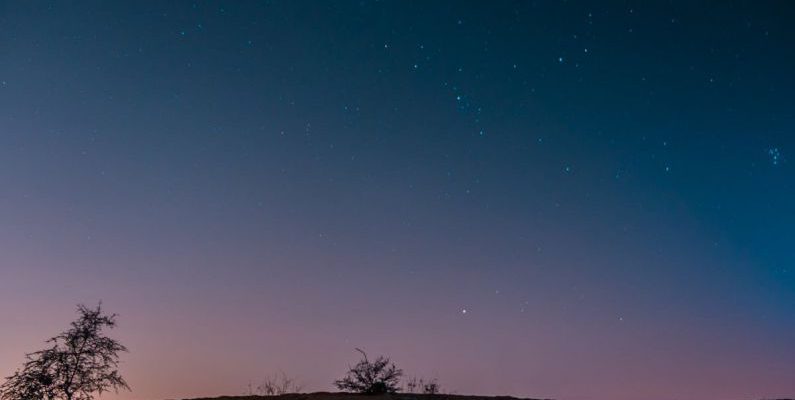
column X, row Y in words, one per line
column 548, row 199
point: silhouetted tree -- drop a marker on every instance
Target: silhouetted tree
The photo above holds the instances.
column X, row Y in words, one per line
column 80, row 362
column 376, row 377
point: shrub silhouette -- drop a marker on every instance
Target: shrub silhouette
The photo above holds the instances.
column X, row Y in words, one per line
column 422, row 385
column 431, row 387
column 275, row 385
column 79, row 363
column 376, row 377
column 412, row 384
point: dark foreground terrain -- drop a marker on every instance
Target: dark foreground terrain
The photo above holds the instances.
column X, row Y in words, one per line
column 355, row 396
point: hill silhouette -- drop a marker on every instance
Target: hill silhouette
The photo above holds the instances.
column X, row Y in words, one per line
column 358, row 396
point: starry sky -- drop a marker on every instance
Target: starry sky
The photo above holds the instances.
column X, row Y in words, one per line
column 553, row 199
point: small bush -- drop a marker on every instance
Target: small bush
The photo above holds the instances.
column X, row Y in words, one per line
column 422, row 385
column 275, row 385
column 412, row 384
column 431, row 387
column 376, row 377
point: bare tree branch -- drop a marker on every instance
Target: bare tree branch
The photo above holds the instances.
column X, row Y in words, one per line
column 79, row 363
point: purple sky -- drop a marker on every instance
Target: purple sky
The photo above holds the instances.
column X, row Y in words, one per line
column 545, row 200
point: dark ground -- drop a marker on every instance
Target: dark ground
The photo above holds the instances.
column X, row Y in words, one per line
column 355, row 396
